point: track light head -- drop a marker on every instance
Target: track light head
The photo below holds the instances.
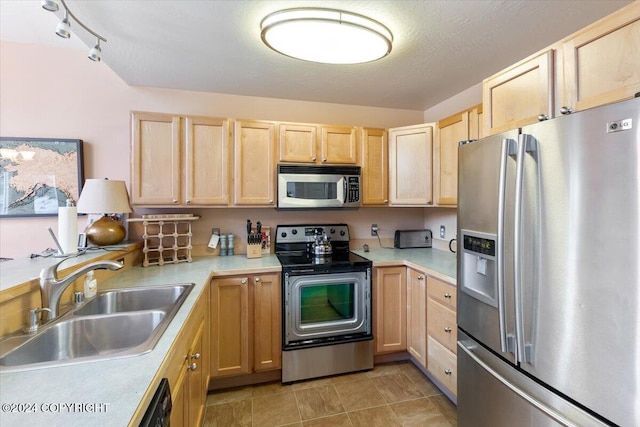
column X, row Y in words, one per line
column 95, row 54
column 49, row 5
column 64, row 29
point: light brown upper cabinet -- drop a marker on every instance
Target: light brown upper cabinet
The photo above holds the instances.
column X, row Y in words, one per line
column 410, row 168
column 458, row 127
column 254, row 163
column 179, row 160
column 318, row 144
column 520, row 94
column 602, row 61
column 374, row 149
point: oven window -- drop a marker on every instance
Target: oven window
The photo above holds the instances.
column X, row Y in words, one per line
column 312, row 190
column 326, row 303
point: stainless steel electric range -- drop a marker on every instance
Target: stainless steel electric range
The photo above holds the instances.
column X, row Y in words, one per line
column 326, row 291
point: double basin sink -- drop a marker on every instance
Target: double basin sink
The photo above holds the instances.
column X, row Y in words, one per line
column 115, row 323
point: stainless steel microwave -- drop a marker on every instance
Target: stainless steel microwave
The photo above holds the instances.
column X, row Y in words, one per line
column 318, row 187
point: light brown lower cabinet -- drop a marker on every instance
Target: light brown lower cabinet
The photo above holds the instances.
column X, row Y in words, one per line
column 390, row 309
column 245, row 324
column 417, row 315
column 188, row 369
column 442, row 332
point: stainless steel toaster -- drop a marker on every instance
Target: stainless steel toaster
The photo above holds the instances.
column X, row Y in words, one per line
column 412, row 239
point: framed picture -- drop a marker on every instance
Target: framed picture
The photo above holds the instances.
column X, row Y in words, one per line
column 38, row 175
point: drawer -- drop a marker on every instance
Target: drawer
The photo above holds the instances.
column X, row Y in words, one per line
column 442, row 292
column 441, row 324
column 443, row 365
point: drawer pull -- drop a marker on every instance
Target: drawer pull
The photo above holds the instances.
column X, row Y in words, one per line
column 257, row 279
column 193, row 367
column 195, row 356
column 447, row 295
column 447, row 372
column 243, row 282
column 447, row 330
column 421, row 277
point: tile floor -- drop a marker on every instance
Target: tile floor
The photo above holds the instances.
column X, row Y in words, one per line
column 395, row 394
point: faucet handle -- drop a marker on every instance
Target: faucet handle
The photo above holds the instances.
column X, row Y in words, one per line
column 33, row 319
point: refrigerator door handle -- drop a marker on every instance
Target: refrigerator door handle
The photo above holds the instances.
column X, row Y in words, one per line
column 507, row 342
column 539, row 405
column 526, row 144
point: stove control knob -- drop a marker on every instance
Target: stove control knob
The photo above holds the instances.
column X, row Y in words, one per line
column 283, row 234
column 332, row 231
column 342, row 233
column 294, row 231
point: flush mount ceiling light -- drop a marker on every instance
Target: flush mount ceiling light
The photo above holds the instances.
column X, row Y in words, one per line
column 63, row 29
column 326, row 35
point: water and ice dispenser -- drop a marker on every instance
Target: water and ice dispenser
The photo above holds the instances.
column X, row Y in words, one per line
column 478, row 261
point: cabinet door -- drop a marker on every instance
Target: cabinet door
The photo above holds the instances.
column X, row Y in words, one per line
column 390, row 308
column 206, row 169
column 179, row 402
column 339, row 145
column 410, row 168
column 197, row 378
column 451, row 131
column 602, row 62
column 297, row 143
column 155, row 177
column 417, row 315
column 517, row 96
column 267, row 330
column 254, row 165
column 375, row 167
column 230, row 320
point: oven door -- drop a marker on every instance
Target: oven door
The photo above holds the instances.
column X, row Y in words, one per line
column 321, row 308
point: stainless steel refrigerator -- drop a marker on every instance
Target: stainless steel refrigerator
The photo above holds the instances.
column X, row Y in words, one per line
column 549, row 273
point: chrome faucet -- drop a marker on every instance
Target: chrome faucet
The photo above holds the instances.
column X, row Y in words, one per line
column 51, row 288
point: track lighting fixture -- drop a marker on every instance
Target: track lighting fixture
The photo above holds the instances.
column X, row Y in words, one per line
column 49, row 5
column 63, row 29
column 95, row 54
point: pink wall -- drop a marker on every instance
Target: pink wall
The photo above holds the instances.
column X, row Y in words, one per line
column 50, row 92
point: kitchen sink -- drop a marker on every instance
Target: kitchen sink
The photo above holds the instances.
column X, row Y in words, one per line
column 116, row 323
column 134, row 299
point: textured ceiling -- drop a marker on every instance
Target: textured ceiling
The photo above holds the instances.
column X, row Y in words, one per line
column 440, row 47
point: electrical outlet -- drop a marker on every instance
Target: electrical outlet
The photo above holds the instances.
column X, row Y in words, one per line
column 374, row 229
column 442, row 231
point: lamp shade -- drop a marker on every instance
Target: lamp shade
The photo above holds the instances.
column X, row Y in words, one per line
column 101, row 196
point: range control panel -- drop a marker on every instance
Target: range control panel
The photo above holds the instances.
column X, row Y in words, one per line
column 307, row 233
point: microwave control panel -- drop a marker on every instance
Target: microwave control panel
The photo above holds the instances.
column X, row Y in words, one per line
column 353, row 189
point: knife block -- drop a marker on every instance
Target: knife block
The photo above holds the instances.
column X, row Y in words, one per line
column 254, row 251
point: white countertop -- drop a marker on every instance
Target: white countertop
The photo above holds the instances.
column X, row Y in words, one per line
column 116, row 387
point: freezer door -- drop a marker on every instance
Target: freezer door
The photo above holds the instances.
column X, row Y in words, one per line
column 492, row 393
column 486, row 188
column 580, row 259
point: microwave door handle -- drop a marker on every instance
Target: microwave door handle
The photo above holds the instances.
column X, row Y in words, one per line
column 344, row 189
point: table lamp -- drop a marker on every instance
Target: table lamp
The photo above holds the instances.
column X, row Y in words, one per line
column 103, row 196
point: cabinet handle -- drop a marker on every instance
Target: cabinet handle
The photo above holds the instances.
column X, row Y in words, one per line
column 313, row 159
column 188, row 201
column 270, row 202
column 421, row 277
column 543, row 117
column 195, row 356
column 447, row 372
column 257, row 279
column 175, row 200
column 243, row 282
column 447, row 330
column 565, row 110
column 385, row 201
column 192, row 367
column 447, row 295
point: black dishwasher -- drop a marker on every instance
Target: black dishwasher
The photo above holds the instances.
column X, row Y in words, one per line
column 159, row 411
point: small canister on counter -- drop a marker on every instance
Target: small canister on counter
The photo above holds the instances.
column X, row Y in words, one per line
column 230, row 245
column 223, row 245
